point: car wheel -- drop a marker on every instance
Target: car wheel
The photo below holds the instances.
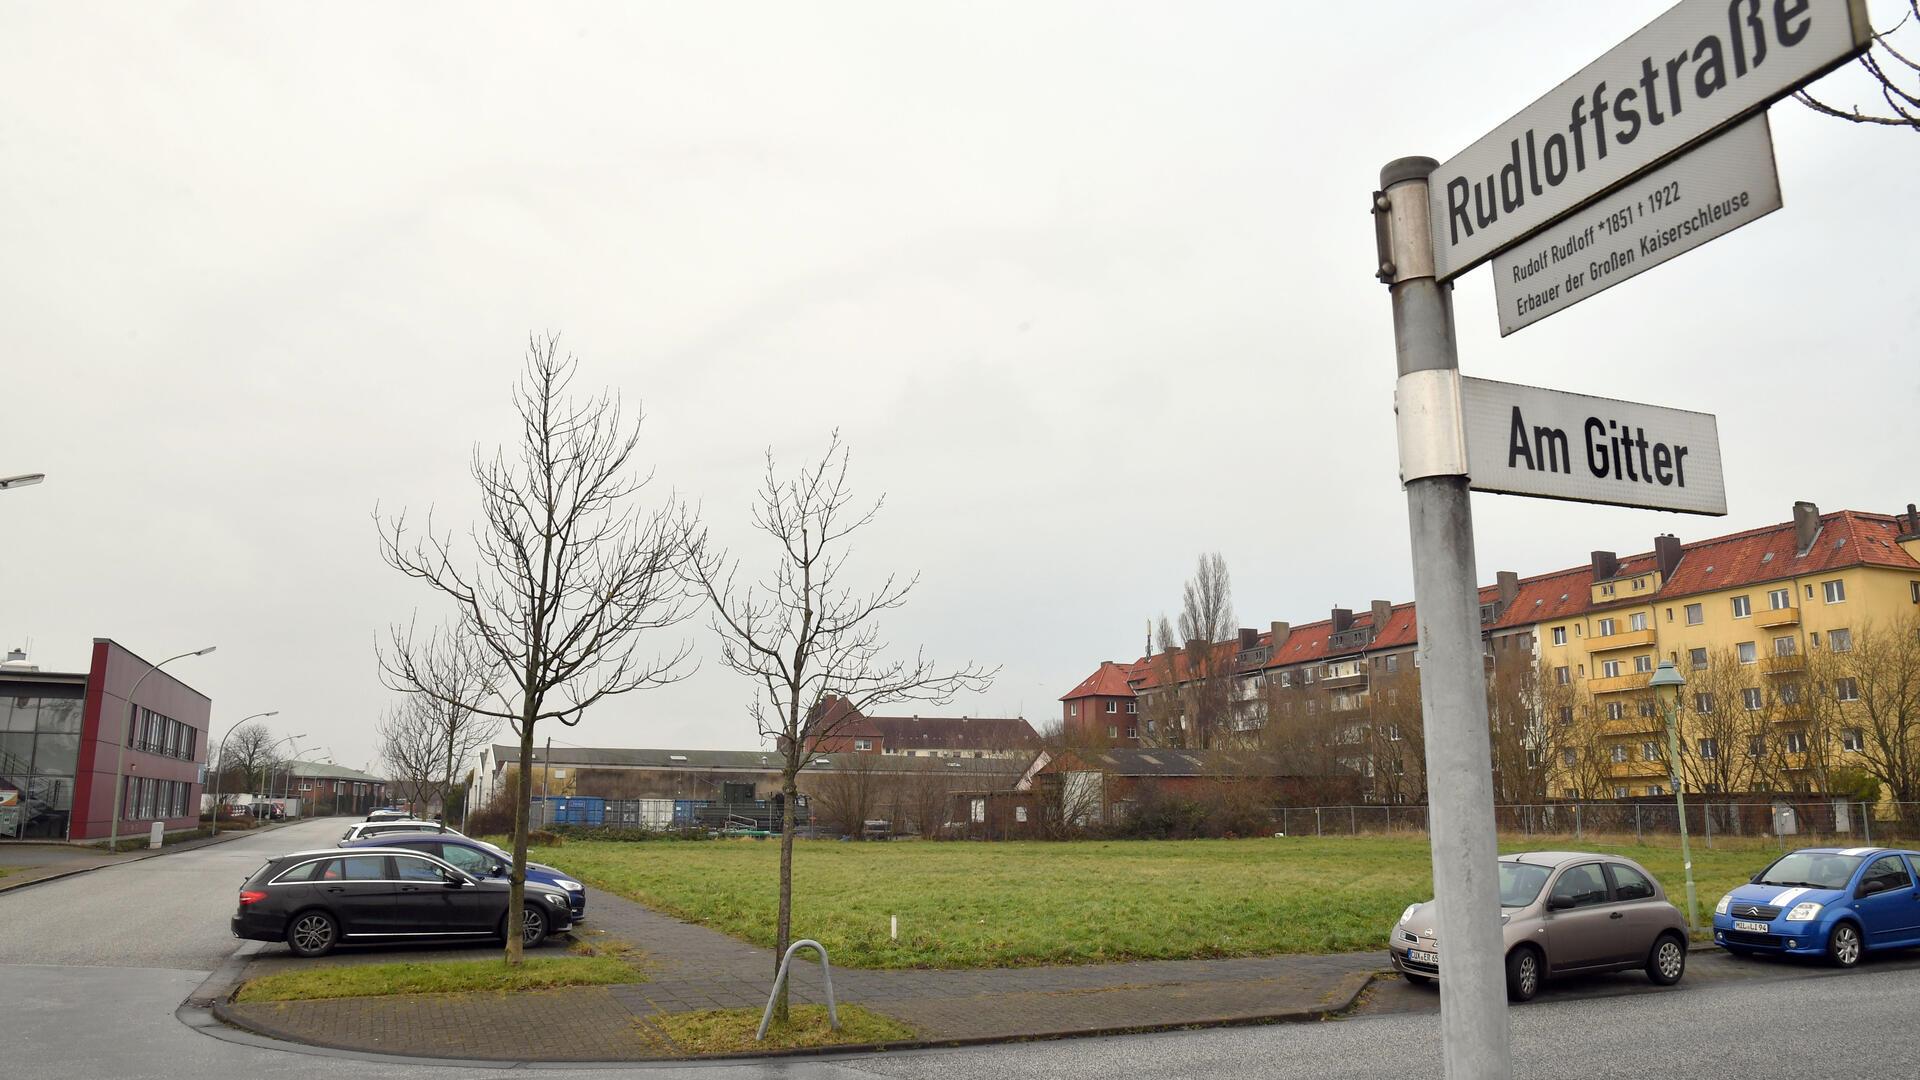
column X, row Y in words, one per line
column 1416, row 980
column 313, row 933
column 1843, row 947
column 533, row 928
column 1523, row 974
column 1668, row 960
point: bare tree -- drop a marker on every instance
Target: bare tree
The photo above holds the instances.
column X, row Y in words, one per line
column 1523, row 740
column 807, row 639
column 850, row 792
column 1399, row 736
column 559, row 582
column 426, row 740
column 1195, row 703
column 248, row 760
column 1876, row 683
column 1719, row 754
column 1889, row 66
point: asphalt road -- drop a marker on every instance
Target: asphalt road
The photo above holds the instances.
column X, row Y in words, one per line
column 165, row 912
column 95, row 967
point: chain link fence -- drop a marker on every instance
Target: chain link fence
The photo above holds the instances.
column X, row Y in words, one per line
column 1802, row 821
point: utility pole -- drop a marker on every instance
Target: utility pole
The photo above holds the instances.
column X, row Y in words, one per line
column 1453, row 681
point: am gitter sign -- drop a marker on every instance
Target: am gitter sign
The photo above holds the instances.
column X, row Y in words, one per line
column 1696, row 69
column 1525, row 440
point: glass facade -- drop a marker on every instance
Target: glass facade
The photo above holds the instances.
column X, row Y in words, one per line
column 39, row 746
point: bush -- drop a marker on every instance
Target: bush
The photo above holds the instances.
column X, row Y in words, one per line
column 628, row 834
column 1224, row 812
column 544, row 838
column 493, row 819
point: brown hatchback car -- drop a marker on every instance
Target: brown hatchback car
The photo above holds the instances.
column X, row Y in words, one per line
column 1562, row 912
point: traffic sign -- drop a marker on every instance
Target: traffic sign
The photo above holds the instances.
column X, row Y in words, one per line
column 1700, row 67
column 1526, row 440
column 1699, row 196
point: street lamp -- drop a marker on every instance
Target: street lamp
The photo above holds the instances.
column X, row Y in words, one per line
column 23, row 480
column 286, row 774
column 126, row 736
column 223, row 763
column 1666, row 684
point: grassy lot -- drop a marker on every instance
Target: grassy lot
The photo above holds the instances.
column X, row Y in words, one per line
column 731, row 1031
column 438, row 977
column 1007, row 904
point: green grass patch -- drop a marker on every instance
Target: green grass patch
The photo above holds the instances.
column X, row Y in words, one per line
column 438, row 977
column 973, row 905
column 731, row 1031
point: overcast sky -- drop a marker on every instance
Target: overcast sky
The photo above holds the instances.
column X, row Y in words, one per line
column 1085, row 286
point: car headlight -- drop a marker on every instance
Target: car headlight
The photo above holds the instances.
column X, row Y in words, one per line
column 1721, row 907
column 1408, row 914
column 1803, row 912
column 555, row 899
column 570, row 886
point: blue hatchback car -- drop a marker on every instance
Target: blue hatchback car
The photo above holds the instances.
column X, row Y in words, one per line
column 1832, row 902
column 482, row 860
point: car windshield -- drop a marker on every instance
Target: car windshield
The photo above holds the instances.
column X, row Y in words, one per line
column 1811, row 870
column 1520, row 883
column 494, row 851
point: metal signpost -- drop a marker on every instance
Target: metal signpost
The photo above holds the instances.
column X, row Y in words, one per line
column 1691, row 74
column 1700, row 196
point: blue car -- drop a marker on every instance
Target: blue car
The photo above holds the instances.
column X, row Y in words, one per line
column 1837, row 903
column 481, row 859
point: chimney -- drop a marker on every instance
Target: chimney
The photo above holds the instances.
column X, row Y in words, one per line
column 1605, row 565
column 1382, row 611
column 1342, row 619
column 1508, row 586
column 1910, row 523
column 1666, row 555
column 1279, row 633
column 1249, row 637
column 1806, row 526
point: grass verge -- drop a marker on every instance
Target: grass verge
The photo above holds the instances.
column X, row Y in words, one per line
column 438, row 977
column 730, row 1031
column 1024, row 903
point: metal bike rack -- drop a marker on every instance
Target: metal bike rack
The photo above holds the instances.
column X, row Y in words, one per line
column 826, row 976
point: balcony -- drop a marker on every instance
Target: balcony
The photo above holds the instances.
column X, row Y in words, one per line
column 1633, row 725
column 1614, row 685
column 1784, row 616
column 1625, row 639
column 1783, row 665
column 1355, row 681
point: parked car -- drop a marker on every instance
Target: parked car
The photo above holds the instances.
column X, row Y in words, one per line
column 1838, row 903
column 1562, row 912
column 389, row 813
column 316, row 900
column 481, row 860
column 361, row 830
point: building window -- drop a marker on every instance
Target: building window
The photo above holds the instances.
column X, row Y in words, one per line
column 1113, row 731
column 1780, row 598
column 1836, row 591
column 1913, row 591
column 863, row 744
column 1790, row 694
column 1607, row 627
column 1133, row 733
column 1073, row 709
column 977, row 811
column 1756, row 746
column 1393, row 664
column 1851, row 741
column 1566, row 715
column 1785, row 646
column 1750, row 697
column 1796, row 742
column 1019, row 813
column 1606, row 590
column 1559, row 635
column 1703, row 703
column 1696, row 614
column 1709, row 749
column 1567, row 757
column 1132, row 707
column 1742, row 607
column 1646, row 709
column 1656, row 789
column 1616, row 711
column 1619, row 793
column 1650, row 751
column 1612, row 668
column 1840, row 640
column 1113, row 707
column 1393, row 732
column 1847, row 689
column 1619, row 753
column 1286, row 678
column 1643, row 664
column 1748, row 654
column 1560, row 676
column 1698, row 658
column 1637, row 621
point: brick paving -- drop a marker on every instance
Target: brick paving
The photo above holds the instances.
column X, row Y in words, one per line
column 690, row 967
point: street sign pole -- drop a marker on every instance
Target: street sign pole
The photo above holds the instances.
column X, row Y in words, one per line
column 1453, row 690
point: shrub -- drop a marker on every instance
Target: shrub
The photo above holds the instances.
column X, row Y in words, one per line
column 544, row 837
column 1222, row 811
column 493, row 819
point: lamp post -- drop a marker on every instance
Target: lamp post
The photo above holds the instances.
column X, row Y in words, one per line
column 286, row 775
column 8, row 483
column 1666, row 684
column 126, row 736
column 223, row 757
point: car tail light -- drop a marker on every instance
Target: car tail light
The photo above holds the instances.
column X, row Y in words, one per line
column 251, row 896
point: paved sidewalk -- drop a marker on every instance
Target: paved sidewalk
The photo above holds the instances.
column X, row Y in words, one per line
column 29, row 862
column 690, row 967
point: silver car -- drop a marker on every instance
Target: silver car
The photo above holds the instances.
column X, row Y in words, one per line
column 1562, row 912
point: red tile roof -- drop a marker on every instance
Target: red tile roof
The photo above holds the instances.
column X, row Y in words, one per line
column 1109, row 681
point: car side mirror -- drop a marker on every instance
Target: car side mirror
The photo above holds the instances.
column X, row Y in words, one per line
column 1875, row 885
column 455, row 883
column 498, row 868
column 1559, row 903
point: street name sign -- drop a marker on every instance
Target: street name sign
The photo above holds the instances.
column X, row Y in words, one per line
column 1700, row 67
column 1525, row 440
column 1699, row 196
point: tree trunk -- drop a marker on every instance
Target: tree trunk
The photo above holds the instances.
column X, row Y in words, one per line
column 523, row 785
column 783, row 933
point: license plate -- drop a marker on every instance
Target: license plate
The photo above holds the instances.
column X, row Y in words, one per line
column 1420, row 956
column 1755, row 927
